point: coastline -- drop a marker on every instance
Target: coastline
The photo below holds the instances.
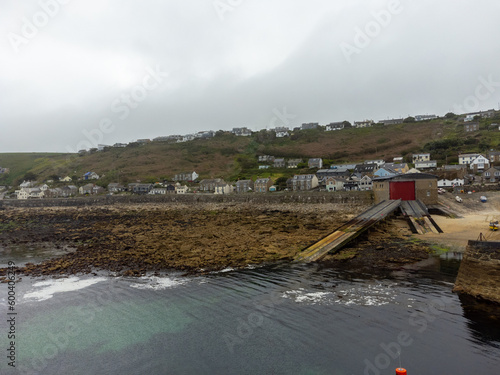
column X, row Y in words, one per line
column 135, row 239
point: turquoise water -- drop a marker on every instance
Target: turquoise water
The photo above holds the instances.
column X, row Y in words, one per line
column 300, row 319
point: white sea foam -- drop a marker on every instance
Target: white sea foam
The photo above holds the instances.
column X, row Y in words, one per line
column 45, row 290
column 366, row 295
column 158, row 283
column 311, row 298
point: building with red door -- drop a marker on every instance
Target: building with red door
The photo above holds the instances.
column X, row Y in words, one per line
column 407, row 187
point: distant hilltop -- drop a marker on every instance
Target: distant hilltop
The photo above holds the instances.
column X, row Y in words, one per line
column 238, row 154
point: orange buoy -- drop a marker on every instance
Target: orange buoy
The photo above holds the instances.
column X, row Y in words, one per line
column 400, row 371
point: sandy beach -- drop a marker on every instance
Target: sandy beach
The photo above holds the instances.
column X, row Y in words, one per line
column 474, row 219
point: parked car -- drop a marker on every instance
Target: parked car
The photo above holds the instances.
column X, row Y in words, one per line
column 458, row 199
column 441, row 191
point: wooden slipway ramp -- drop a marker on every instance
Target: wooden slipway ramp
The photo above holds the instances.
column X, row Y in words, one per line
column 348, row 231
column 418, row 217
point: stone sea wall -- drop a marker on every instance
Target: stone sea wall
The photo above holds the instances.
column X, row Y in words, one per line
column 479, row 273
column 360, row 197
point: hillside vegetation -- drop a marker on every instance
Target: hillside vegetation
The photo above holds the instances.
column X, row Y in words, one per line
column 232, row 157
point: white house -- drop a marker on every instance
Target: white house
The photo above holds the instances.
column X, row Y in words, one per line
column 179, row 189
column 426, row 164
column 466, row 159
column 421, row 157
column 480, row 163
column 90, row 176
column 223, row 189
column 450, row 183
column 282, row 132
column 379, row 162
column 334, row 126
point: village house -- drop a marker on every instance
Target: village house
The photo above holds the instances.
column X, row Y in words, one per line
column 385, row 172
column 397, row 159
column 494, row 156
column 205, row 134
column 96, row 189
column 424, row 117
column 311, row 125
column 293, row 163
column 27, row 184
column 421, row 157
column 158, row 191
column 369, row 169
column 86, row 189
column 53, row 193
column 282, row 132
column 115, row 187
column 29, row 192
column 263, row 166
column 266, row 158
column 444, row 183
column 337, row 172
column 483, row 114
column 491, row 175
column 120, row 145
column 351, row 185
column 139, row 188
column 467, row 159
column 69, row 191
column 279, row 163
column 304, row 182
column 181, row 189
column 90, row 176
column 66, row 179
column 315, row 163
column 262, row 185
column 242, row 132
column 334, row 183
column 471, row 127
column 398, row 168
column 479, row 164
column 394, row 121
column 365, row 183
column 379, row 162
column 426, row 164
column 334, row 126
column 208, row 185
column 223, row 188
column 190, row 176
column 364, row 124
column 244, row 186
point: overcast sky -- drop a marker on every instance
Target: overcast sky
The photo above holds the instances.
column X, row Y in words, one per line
column 74, row 73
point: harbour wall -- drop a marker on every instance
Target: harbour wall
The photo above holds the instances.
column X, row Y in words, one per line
column 479, row 273
column 358, row 197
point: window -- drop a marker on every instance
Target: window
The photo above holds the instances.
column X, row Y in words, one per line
column 428, row 193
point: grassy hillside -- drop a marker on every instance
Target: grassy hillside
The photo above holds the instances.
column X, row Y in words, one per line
column 20, row 164
column 233, row 157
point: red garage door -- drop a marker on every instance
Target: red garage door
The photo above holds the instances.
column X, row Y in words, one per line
column 404, row 190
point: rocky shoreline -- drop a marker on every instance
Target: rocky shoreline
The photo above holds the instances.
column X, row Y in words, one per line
column 134, row 239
